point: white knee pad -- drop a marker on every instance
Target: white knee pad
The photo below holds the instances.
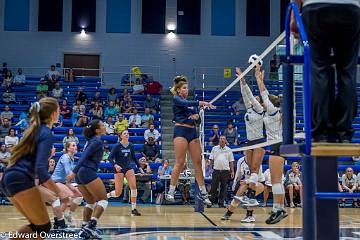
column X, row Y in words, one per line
column 235, row 203
column 133, row 193
column 278, row 188
column 103, row 203
column 77, row 200
column 254, row 178
column 91, row 206
column 56, row 203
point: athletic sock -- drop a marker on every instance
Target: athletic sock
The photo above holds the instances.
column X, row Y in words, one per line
column 171, row 190
column 133, row 206
column 203, row 189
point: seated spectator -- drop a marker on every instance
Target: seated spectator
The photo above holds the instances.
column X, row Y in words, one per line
column 11, row 140
column 8, row 96
column 215, row 135
column 164, row 170
column 152, row 132
column 127, row 106
column 349, row 182
column 184, row 185
column 153, row 87
column 51, row 82
column 121, row 124
column 65, row 110
column 96, row 112
column 4, row 158
column 293, row 183
column 135, row 119
column 138, row 87
column 106, row 153
column 144, row 185
column 69, row 75
column 82, row 121
column 6, row 113
column 97, row 98
column 112, row 95
column 342, row 201
column 81, row 96
column 231, row 134
column 117, row 105
column 57, row 92
column 4, row 129
column 79, row 107
column 60, row 122
column 20, row 78
column 52, row 165
column 239, row 107
column 42, row 89
column 109, row 126
column 151, row 151
column 51, row 72
column 125, row 94
column 23, row 121
column 8, row 80
column 70, row 137
column 125, row 80
column 110, row 110
column 147, row 118
column 150, row 103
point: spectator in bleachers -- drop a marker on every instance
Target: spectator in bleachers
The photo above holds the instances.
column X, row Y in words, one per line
column 6, row 113
column 135, row 119
column 106, row 153
column 121, row 124
column 110, row 110
column 8, row 96
column 231, row 134
column 97, row 98
column 150, row 103
column 8, row 80
column 110, row 128
column 117, row 104
column 65, row 110
column 184, row 185
column 11, row 140
column 138, row 87
column 151, row 151
column 80, row 95
column 97, row 111
column 144, row 186
column 124, row 95
column 4, row 158
column 147, row 118
column 70, row 137
column 42, row 89
column 52, row 71
column 239, row 107
column 152, row 132
column 112, row 95
column 23, row 121
column 349, row 182
column 69, row 75
column 164, row 170
column 51, row 82
column 153, row 87
column 82, row 121
column 52, row 165
column 60, row 121
column 222, row 161
column 57, row 92
column 20, row 78
column 4, row 128
column 215, row 135
column 127, row 106
column 293, row 183
column 79, row 107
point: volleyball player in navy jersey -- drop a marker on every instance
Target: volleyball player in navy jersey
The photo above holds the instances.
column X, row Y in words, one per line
column 186, row 137
column 90, row 185
column 122, row 156
column 29, row 160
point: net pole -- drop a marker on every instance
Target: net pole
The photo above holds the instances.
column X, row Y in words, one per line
column 202, row 126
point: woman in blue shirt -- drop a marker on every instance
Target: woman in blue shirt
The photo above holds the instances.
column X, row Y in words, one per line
column 90, row 185
column 186, row 137
column 29, row 160
column 123, row 158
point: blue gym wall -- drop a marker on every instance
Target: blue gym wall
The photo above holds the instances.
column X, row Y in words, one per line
column 178, row 56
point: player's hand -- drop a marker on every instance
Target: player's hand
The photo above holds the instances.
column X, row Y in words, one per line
column 194, row 117
column 70, row 177
column 117, row 168
column 238, row 73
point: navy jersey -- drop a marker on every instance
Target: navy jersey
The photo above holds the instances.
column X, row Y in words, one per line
column 37, row 165
column 124, row 156
column 183, row 109
column 92, row 155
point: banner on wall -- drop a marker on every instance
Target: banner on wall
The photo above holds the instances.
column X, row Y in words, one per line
column 227, row 72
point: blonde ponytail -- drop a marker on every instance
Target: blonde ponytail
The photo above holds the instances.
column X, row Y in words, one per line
column 179, row 81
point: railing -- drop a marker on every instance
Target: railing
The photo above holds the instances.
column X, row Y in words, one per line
column 41, row 71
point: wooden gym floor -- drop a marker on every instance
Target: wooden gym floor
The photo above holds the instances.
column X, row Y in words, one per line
column 181, row 222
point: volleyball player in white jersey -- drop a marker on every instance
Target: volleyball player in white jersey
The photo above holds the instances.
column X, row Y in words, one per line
column 242, row 176
column 255, row 134
column 273, row 127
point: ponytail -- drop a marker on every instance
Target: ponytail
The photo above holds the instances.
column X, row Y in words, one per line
column 90, row 130
column 179, row 81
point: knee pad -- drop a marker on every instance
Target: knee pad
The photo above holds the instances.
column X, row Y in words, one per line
column 103, row 203
column 254, row 178
column 235, row 203
column 278, row 188
column 133, row 193
column 77, row 200
column 91, row 206
column 40, row 228
column 56, row 203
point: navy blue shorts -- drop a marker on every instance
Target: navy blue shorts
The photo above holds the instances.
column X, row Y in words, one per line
column 15, row 181
column 186, row 132
column 124, row 170
column 275, row 149
column 85, row 175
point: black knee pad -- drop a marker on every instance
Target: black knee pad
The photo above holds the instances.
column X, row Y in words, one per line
column 41, row 228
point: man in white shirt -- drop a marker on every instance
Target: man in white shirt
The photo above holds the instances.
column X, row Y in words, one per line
column 20, row 78
column 109, row 126
column 53, row 71
column 223, row 160
column 151, row 132
column 135, row 119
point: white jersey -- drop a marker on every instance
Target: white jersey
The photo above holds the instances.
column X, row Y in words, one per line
column 272, row 119
column 244, row 171
column 254, row 117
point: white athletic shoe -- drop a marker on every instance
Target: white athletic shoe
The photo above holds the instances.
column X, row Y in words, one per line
column 252, row 203
column 69, row 219
column 248, row 219
column 169, row 197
